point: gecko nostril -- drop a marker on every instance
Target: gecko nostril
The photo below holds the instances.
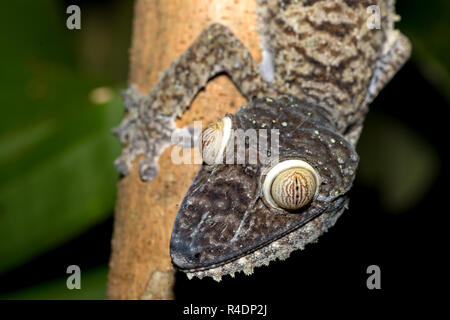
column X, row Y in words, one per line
column 197, row 255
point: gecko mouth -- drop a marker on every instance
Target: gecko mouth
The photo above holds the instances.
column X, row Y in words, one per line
column 278, row 249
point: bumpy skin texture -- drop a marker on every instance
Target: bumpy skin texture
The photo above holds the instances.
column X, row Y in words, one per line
column 319, row 51
column 224, row 214
column 151, row 118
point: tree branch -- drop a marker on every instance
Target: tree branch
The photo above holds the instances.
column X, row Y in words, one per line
column 140, row 266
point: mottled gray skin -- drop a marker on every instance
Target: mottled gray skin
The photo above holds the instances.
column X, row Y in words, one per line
column 319, row 51
column 224, row 215
column 151, row 117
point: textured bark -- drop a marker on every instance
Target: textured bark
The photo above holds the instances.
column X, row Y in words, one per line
column 140, row 266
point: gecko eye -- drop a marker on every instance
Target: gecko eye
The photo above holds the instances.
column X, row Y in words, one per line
column 214, row 139
column 291, row 184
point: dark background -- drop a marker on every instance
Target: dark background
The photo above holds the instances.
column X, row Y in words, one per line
column 60, row 97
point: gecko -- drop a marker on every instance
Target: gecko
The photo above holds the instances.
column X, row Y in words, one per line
column 322, row 66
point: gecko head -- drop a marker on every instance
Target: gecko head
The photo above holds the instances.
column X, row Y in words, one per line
column 271, row 168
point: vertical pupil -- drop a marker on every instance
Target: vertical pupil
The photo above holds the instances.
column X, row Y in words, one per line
column 293, row 188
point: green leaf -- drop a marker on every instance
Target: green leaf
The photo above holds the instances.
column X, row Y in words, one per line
column 93, row 287
column 396, row 162
column 56, row 148
column 427, row 24
column 65, row 184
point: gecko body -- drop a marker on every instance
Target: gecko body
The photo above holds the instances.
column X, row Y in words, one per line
column 322, row 66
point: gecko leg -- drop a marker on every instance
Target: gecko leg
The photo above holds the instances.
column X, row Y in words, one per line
column 151, row 118
column 396, row 51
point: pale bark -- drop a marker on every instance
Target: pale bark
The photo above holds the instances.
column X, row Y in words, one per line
column 140, row 266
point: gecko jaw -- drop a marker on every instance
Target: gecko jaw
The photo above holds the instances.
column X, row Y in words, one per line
column 278, row 249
